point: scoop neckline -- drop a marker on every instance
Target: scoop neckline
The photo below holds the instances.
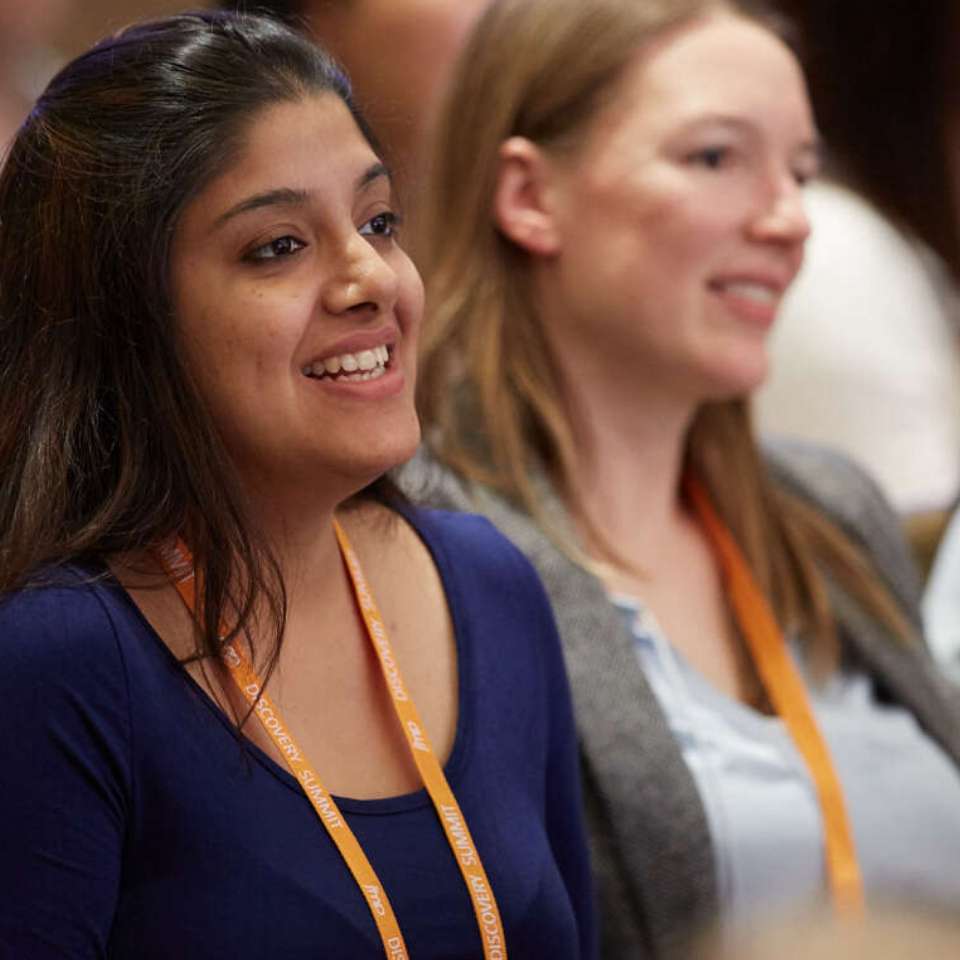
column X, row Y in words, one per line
column 455, row 766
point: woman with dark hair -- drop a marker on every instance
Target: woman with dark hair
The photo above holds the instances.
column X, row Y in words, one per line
column 616, row 215
column 207, row 359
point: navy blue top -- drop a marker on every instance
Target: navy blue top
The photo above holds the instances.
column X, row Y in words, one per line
column 133, row 826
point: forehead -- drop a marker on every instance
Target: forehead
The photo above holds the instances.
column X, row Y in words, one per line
column 312, row 144
column 717, row 65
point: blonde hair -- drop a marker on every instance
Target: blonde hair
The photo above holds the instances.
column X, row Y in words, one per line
column 541, row 69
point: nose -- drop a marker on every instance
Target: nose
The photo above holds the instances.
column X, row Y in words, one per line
column 782, row 217
column 361, row 282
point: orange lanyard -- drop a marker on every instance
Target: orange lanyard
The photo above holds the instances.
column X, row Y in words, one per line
column 178, row 564
column 785, row 688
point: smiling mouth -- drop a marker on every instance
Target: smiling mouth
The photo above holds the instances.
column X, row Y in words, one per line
column 352, row 367
column 759, row 293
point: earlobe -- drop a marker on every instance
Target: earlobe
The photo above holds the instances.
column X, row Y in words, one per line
column 522, row 202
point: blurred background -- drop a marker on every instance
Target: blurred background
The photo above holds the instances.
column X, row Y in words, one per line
column 37, row 36
column 90, row 19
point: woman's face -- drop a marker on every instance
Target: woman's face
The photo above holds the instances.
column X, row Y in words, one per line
column 297, row 311
column 680, row 224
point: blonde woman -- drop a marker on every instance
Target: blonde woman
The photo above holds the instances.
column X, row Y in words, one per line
column 617, row 213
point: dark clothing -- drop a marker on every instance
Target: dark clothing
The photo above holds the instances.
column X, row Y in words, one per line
column 132, row 825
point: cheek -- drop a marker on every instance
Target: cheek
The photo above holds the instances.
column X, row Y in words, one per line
column 410, row 298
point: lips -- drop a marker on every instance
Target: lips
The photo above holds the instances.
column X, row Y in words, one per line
column 753, row 298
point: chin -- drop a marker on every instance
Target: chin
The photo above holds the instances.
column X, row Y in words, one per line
column 741, row 374
column 390, row 452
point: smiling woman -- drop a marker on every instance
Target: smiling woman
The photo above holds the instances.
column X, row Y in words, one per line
column 256, row 702
column 616, row 215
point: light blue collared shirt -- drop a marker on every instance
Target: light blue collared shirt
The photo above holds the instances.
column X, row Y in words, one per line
column 902, row 792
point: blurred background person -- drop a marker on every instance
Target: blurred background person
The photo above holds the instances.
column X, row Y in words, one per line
column 36, row 38
column 616, row 212
column 866, row 352
column 28, row 57
column 885, row 935
column 399, row 54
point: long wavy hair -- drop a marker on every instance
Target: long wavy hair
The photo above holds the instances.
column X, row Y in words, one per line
column 106, row 447
column 541, row 69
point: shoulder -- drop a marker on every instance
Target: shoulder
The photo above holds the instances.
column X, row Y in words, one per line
column 468, row 547
column 569, row 586
column 62, row 662
column 62, row 618
column 830, row 479
column 63, row 676
column 428, row 481
column 851, row 498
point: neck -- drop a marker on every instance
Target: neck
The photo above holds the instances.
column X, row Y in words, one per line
column 630, row 423
column 630, row 439
column 299, row 530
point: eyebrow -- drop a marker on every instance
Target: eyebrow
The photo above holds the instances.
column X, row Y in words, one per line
column 814, row 145
column 289, row 197
column 373, row 172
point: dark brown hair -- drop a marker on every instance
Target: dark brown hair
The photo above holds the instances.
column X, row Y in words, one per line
column 106, row 448
column 289, row 11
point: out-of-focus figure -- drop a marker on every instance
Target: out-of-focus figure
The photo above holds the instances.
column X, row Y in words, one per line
column 27, row 60
column 896, row 935
column 399, row 54
column 866, row 354
column 616, row 211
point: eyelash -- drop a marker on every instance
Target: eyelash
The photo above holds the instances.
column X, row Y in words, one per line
column 713, row 158
column 387, row 222
column 383, row 225
column 269, row 250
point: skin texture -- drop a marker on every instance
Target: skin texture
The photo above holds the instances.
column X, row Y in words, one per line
column 263, row 293
column 690, row 180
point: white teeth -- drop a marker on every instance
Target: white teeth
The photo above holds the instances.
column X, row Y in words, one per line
column 364, row 365
column 751, row 291
column 364, row 375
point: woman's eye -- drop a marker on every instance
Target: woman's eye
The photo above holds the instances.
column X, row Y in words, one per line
column 382, row 225
column 284, row 246
column 713, row 158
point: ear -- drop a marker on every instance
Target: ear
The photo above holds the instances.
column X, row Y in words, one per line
column 522, row 203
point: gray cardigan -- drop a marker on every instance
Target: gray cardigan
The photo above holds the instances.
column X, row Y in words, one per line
column 651, row 848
